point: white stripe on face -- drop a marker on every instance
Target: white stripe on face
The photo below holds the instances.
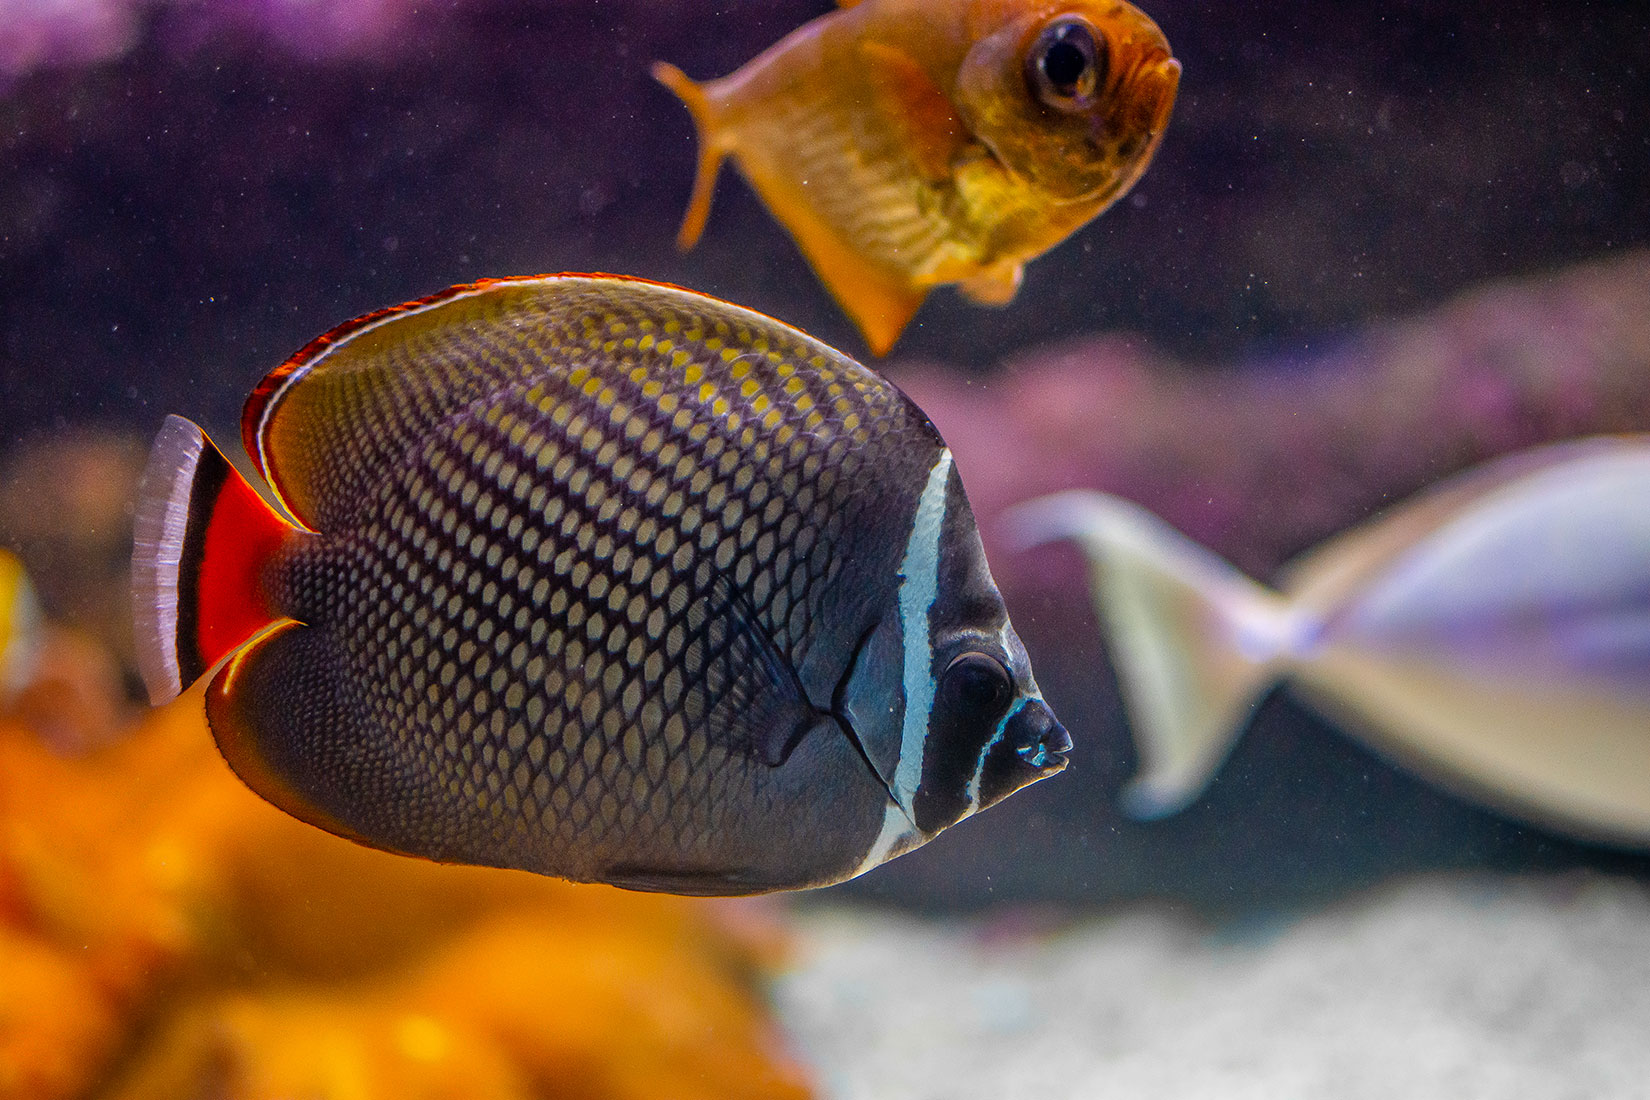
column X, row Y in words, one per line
column 897, row 831
column 918, row 587
column 979, row 765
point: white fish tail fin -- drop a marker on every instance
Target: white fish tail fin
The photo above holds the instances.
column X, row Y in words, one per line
column 1194, row 641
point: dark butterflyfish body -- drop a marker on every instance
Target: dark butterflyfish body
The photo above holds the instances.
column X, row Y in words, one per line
column 597, row 578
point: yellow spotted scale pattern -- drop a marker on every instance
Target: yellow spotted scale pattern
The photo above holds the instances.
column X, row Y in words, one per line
column 591, row 557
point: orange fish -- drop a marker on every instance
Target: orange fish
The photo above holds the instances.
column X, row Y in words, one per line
column 911, row 143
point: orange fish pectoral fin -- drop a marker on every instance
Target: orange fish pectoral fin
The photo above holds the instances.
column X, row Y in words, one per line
column 711, row 150
column 995, row 286
column 915, row 109
column 881, row 302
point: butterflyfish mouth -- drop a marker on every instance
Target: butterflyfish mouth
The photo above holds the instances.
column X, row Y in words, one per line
column 1042, row 742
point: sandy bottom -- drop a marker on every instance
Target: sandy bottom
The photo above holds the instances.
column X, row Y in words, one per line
column 1443, row 987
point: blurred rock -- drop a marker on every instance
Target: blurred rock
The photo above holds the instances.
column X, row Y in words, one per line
column 1266, row 459
column 1260, row 463
column 165, row 933
column 74, row 697
column 237, row 177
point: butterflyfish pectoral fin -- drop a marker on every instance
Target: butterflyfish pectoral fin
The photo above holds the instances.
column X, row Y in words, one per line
column 993, row 287
column 914, row 108
column 711, row 150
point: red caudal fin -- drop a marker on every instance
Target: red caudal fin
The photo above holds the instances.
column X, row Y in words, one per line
column 201, row 540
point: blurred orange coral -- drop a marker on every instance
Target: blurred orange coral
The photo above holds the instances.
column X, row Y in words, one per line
column 165, row 933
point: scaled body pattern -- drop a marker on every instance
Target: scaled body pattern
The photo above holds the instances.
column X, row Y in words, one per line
column 597, row 578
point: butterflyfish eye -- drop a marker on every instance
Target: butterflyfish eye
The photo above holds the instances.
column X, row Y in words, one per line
column 1066, row 64
column 979, row 683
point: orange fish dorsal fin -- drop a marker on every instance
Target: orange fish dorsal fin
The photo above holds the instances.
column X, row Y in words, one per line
column 915, row 109
column 711, row 150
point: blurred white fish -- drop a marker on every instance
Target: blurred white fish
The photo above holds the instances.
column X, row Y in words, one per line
column 1492, row 632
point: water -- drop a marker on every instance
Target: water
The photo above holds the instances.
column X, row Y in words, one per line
column 1357, row 264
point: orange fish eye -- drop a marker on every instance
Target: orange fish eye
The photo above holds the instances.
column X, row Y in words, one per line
column 1067, row 64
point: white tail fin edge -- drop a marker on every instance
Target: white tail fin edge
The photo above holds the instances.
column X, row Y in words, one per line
column 160, row 527
column 1195, row 642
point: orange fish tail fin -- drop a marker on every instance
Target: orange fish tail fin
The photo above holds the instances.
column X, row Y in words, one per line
column 711, row 150
column 201, row 540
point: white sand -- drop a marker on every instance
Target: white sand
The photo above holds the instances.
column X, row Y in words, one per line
column 1447, row 987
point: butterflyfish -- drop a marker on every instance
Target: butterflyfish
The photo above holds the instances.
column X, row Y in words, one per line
column 907, row 144
column 593, row 577
column 1493, row 633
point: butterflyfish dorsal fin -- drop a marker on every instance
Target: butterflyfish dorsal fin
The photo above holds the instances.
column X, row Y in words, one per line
column 712, row 149
column 331, row 422
column 328, row 427
column 914, row 108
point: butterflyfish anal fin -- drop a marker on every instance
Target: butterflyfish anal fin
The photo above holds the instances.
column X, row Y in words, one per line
column 280, row 711
column 711, row 150
column 915, row 109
